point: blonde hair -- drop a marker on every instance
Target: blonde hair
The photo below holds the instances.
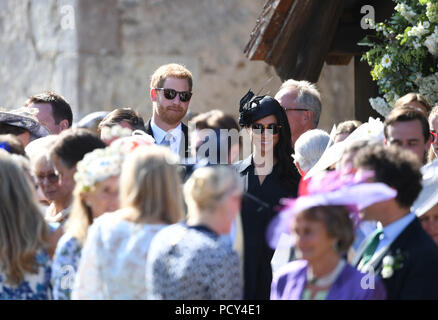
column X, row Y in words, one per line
column 23, row 230
column 208, row 186
column 80, row 217
column 413, row 97
column 151, row 186
column 172, row 70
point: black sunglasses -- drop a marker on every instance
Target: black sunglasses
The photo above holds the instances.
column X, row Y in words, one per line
column 170, row 94
column 259, row 128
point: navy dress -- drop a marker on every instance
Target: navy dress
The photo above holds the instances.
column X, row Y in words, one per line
column 256, row 215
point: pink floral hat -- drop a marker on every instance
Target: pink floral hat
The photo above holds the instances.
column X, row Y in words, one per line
column 325, row 189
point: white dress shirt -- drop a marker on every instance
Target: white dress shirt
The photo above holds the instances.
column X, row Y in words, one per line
column 392, row 231
column 160, row 134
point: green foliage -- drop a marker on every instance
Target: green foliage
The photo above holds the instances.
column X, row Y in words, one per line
column 404, row 50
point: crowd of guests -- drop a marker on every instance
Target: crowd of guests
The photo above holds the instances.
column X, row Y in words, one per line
column 116, row 207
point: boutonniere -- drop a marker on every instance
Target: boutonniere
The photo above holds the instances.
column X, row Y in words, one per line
column 391, row 264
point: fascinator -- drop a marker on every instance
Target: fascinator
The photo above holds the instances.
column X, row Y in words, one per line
column 370, row 131
column 329, row 189
column 253, row 108
column 138, row 138
column 428, row 196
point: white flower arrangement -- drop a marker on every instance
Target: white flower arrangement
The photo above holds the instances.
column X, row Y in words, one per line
column 116, row 131
column 403, row 53
column 406, row 12
column 380, row 105
column 98, row 165
column 391, row 264
column 431, row 43
column 386, row 61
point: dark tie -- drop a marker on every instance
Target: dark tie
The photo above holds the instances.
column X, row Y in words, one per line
column 370, row 248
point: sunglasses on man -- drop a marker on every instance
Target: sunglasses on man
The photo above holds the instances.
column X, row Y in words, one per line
column 170, row 94
column 258, row 128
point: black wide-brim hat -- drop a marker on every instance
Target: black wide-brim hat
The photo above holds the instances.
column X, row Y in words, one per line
column 253, row 108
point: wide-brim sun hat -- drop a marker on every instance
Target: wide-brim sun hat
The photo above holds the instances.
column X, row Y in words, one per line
column 428, row 196
column 371, row 131
column 329, row 189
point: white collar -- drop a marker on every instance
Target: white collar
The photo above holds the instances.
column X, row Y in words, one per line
column 392, row 231
column 327, row 280
column 159, row 133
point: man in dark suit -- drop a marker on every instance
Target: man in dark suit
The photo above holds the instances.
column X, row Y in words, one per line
column 399, row 251
column 170, row 91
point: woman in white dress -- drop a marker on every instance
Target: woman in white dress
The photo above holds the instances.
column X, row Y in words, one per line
column 113, row 260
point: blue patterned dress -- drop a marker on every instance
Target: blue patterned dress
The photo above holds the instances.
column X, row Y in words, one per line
column 34, row 286
column 65, row 266
column 192, row 263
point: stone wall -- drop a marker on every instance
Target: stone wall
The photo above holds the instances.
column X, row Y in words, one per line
column 37, row 50
column 104, row 59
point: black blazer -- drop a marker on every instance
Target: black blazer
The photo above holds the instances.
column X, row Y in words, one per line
column 255, row 216
column 184, row 148
column 418, row 276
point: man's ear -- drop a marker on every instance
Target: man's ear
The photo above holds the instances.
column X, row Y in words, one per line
column 429, row 142
column 153, row 94
column 63, row 124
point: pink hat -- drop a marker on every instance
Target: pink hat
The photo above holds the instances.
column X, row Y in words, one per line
column 331, row 188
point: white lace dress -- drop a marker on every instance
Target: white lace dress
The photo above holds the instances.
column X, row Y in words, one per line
column 113, row 260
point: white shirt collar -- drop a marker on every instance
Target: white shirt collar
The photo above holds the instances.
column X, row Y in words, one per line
column 159, row 135
column 393, row 230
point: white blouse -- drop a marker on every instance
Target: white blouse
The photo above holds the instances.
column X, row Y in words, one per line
column 113, row 259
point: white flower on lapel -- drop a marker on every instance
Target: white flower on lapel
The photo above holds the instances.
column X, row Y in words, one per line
column 390, row 264
column 388, row 261
column 387, row 272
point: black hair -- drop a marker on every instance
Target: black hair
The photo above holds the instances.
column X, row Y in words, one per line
column 73, row 144
column 254, row 108
column 61, row 109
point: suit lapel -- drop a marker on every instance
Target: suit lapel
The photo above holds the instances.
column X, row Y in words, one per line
column 398, row 243
column 148, row 129
column 184, row 146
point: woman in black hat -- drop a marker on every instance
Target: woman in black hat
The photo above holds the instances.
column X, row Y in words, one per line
column 269, row 175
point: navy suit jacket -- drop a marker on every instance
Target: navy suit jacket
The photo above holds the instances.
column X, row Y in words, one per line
column 417, row 277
